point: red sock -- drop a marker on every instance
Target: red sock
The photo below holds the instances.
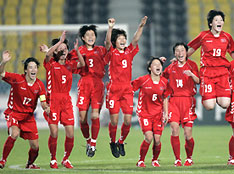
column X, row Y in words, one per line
column 189, row 144
column 143, row 150
column 112, row 132
column 9, row 143
column 231, row 147
column 124, row 132
column 95, row 130
column 85, row 129
column 175, row 143
column 69, row 143
column 52, row 143
column 156, row 151
column 32, row 155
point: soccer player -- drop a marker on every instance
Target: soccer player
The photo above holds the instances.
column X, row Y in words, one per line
column 24, row 93
column 152, row 109
column 230, row 118
column 119, row 89
column 59, row 80
column 90, row 85
column 183, row 76
column 214, row 73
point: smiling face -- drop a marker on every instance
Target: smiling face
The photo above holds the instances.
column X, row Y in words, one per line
column 181, row 54
column 31, row 71
column 217, row 24
column 121, row 42
column 156, row 68
column 89, row 38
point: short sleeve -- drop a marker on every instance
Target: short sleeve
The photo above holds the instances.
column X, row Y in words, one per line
column 196, row 42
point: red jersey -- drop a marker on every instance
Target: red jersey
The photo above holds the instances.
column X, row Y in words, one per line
column 180, row 84
column 23, row 96
column 151, row 95
column 94, row 60
column 59, row 77
column 213, row 49
column 232, row 73
column 120, row 64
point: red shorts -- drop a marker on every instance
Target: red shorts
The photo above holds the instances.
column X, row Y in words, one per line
column 90, row 91
column 25, row 122
column 119, row 96
column 215, row 86
column 61, row 109
column 182, row 110
column 153, row 124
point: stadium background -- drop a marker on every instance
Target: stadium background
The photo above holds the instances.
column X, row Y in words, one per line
column 169, row 21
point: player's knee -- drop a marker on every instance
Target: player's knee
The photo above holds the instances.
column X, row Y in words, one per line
column 148, row 138
column 35, row 146
column 209, row 106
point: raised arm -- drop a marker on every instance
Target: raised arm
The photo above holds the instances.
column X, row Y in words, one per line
column 51, row 50
column 80, row 57
column 138, row 33
column 5, row 58
column 111, row 23
column 190, row 52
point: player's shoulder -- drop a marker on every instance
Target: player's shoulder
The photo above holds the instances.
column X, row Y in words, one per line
column 191, row 62
column 163, row 79
column 225, row 34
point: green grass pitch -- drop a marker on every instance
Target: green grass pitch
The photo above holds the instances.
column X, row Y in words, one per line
column 210, row 153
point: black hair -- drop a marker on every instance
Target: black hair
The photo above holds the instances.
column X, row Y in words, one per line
column 115, row 34
column 53, row 42
column 212, row 14
column 85, row 28
column 151, row 61
column 28, row 60
column 178, row 44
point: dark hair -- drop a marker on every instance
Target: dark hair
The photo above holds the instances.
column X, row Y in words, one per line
column 178, row 44
column 115, row 34
column 151, row 61
column 53, row 42
column 28, row 60
column 85, row 28
column 212, row 14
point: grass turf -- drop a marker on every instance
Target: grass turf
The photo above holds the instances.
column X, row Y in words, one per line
column 210, row 153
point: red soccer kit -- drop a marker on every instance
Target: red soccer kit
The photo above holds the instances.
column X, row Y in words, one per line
column 150, row 103
column 21, row 104
column 59, row 82
column 214, row 65
column 119, row 90
column 182, row 102
column 90, row 86
column 229, row 116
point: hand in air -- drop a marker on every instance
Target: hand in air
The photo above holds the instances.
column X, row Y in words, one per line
column 111, row 22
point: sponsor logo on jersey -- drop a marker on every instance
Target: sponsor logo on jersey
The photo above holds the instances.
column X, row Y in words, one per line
column 223, row 40
column 56, row 67
column 148, row 87
column 36, row 91
column 209, row 41
column 23, row 88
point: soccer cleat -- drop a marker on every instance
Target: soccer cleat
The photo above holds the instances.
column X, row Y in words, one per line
column 66, row 163
column 53, row 164
column 177, row 163
column 2, row 163
column 121, row 148
column 140, row 164
column 91, row 151
column 230, row 162
column 155, row 163
column 32, row 166
column 188, row 162
column 114, row 149
column 87, row 148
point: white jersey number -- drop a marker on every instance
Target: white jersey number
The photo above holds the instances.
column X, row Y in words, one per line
column 217, row 52
column 81, row 102
column 208, row 88
column 26, row 100
column 179, row 83
column 90, row 62
column 124, row 63
column 111, row 103
column 64, row 79
column 154, row 97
